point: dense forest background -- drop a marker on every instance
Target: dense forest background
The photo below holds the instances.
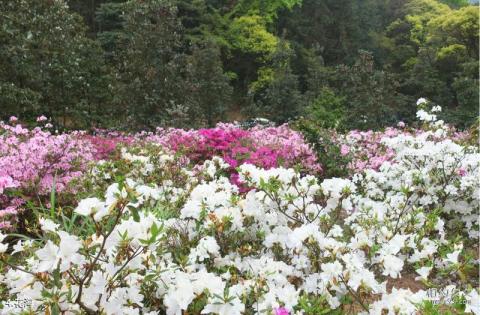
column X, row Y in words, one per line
column 140, row 64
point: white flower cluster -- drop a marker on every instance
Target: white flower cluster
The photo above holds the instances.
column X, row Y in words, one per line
column 289, row 243
column 424, row 115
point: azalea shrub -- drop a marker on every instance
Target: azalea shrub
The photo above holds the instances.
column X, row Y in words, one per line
column 105, row 142
column 367, row 150
column 33, row 162
column 155, row 233
column 344, row 154
column 266, row 147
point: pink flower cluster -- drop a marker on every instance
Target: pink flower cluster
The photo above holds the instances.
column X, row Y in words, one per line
column 281, row 311
column 366, row 150
column 264, row 147
column 33, row 160
column 105, row 142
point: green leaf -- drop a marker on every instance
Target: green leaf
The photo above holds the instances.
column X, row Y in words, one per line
column 52, row 197
column 135, row 214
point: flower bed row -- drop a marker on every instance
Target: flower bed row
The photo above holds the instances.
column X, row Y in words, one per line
column 155, row 233
column 33, row 162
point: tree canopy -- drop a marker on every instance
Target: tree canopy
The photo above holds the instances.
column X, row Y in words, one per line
column 141, row 64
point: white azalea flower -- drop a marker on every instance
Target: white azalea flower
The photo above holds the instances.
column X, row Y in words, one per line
column 113, row 193
column 180, row 295
column 206, row 247
column 18, row 247
column 421, row 100
column 48, row 225
column 89, row 205
column 3, row 248
column 100, row 214
column 452, row 257
column 68, row 250
column 423, row 272
column 232, row 307
column 48, row 256
column 331, row 271
column 472, row 302
column 392, row 266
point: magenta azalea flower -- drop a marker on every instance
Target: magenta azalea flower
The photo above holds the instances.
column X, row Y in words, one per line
column 281, row 311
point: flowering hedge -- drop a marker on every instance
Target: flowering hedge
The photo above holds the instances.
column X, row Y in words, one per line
column 105, row 143
column 265, row 147
column 34, row 161
column 30, row 160
column 170, row 238
column 367, row 149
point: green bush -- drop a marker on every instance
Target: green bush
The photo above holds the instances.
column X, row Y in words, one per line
column 328, row 152
column 327, row 110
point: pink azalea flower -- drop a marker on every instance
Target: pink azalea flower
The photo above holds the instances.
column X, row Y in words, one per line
column 281, row 311
column 41, row 118
column 6, row 182
column 344, row 150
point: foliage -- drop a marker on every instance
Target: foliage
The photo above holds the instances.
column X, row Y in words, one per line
column 334, row 163
column 142, row 64
column 248, row 34
column 327, row 110
column 48, row 65
column 372, row 99
column 210, row 86
column 151, row 82
column 438, row 46
column 276, row 94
